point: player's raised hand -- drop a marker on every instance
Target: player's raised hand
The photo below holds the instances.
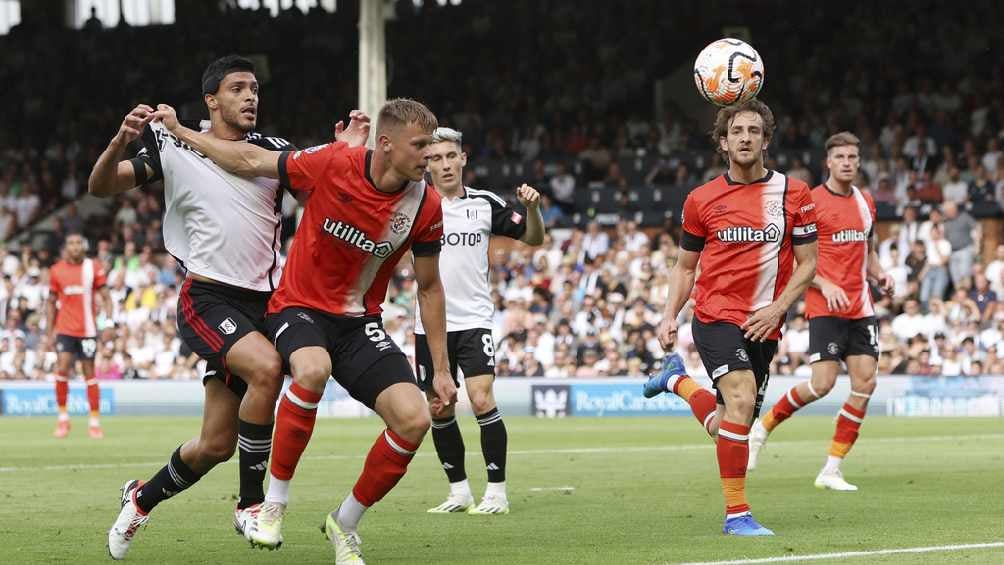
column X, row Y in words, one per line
column 528, row 196
column 166, row 115
column 446, row 390
column 134, row 122
column 667, row 334
column 836, row 298
column 358, row 131
column 762, row 323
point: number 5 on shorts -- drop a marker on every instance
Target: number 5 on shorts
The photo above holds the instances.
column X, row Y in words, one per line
column 374, row 332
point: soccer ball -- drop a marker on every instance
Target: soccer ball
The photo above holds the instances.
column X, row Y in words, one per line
column 728, row 71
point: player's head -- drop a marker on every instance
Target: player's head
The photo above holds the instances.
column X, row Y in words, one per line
column 843, row 156
column 447, row 159
column 743, row 132
column 230, row 90
column 75, row 247
column 403, row 133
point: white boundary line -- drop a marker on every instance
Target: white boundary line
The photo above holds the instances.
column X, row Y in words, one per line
column 569, row 451
column 852, row 554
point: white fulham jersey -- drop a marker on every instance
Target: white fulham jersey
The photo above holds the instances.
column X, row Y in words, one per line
column 469, row 221
column 217, row 224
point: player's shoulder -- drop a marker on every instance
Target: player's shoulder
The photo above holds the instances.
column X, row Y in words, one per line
column 269, row 141
column 494, row 199
column 710, row 190
column 795, row 186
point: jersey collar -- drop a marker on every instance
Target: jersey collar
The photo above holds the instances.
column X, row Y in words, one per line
column 762, row 179
column 369, row 179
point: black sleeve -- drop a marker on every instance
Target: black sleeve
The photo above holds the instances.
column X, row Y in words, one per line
column 283, row 174
column 691, row 242
column 147, row 156
column 270, row 142
column 426, row 248
column 506, row 221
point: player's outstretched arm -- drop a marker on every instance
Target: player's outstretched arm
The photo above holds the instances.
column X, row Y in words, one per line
column 762, row 323
column 681, row 284
column 112, row 174
column 239, row 158
column 529, row 197
column 432, row 302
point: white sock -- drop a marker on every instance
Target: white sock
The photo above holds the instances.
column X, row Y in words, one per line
column 671, row 382
column 94, row 422
column 832, row 464
column 64, row 417
column 278, row 490
column 460, row 488
column 495, row 489
column 350, row 512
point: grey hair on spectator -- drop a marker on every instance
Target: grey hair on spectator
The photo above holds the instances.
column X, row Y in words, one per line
column 447, row 134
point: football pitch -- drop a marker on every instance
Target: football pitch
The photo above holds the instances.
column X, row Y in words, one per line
column 582, row 490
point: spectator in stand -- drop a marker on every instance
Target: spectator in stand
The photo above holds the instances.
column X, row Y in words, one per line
column 955, row 189
column 984, row 297
column 961, row 231
column 563, row 189
column 935, row 275
column 981, row 189
column 995, row 271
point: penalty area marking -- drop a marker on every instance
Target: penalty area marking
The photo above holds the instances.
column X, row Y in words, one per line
column 853, row 554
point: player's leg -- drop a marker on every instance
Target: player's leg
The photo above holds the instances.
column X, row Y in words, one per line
column 446, row 434
column 712, row 341
column 187, row 465
column 376, row 373
column 862, row 363
column 64, row 362
column 88, row 349
column 827, row 346
column 476, row 356
column 257, row 362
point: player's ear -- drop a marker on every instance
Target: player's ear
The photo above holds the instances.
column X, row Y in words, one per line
column 211, row 101
column 384, row 142
column 463, row 159
column 723, row 144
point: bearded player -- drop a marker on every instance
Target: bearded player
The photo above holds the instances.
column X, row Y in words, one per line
column 747, row 228
column 842, row 325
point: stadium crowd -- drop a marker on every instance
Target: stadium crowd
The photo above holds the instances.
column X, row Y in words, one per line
column 586, row 303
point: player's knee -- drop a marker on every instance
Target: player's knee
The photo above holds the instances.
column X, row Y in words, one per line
column 482, row 401
column 823, row 387
column 865, row 387
column 413, row 423
column 216, row 451
column 311, row 373
column 267, row 374
column 440, row 412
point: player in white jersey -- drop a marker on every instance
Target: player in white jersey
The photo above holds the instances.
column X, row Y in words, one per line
column 470, row 218
column 224, row 230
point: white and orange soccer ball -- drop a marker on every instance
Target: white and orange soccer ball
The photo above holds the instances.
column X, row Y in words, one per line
column 728, row 71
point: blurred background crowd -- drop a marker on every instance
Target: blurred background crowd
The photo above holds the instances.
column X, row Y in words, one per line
column 576, row 112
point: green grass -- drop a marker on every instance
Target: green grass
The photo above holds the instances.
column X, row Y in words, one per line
column 646, row 491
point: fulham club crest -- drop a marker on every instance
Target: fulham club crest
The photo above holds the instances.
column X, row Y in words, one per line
column 228, row 326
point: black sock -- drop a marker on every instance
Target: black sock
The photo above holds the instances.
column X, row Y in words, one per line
column 494, row 444
column 450, row 448
column 254, row 443
column 173, row 478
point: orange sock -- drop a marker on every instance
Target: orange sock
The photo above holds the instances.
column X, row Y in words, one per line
column 733, row 455
column 702, row 401
column 783, row 409
column 849, row 421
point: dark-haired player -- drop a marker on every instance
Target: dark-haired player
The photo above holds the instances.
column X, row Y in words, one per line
column 224, row 230
column 747, row 228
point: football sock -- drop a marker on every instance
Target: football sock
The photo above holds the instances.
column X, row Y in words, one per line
column 62, row 391
column 733, row 454
column 385, row 464
column 173, row 478
column 849, row 421
column 494, row 444
column 495, row 489
column 460, row 488
column 94, row 400
column 783, row 409
column 350, row 513
column 294, row 425
column 450, row 448
column 254, row 443
column 702, row 401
